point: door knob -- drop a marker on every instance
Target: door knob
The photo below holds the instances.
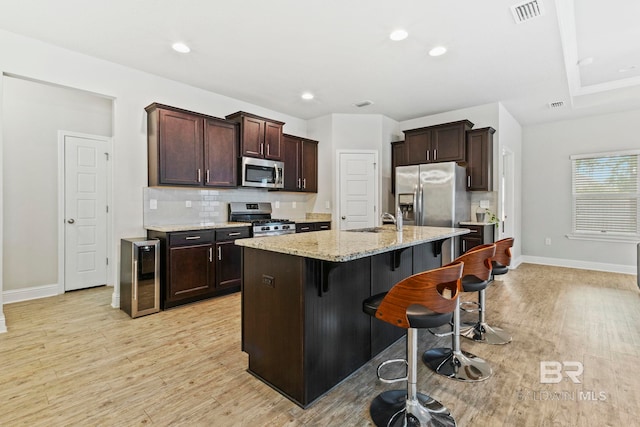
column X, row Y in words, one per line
column 344, row 217
column 71, row 221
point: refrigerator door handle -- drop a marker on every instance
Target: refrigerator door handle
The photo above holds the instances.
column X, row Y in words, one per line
column 420, row 219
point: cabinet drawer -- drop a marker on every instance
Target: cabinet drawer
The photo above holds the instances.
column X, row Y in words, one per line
column 475, row 230
column 232, row 233
column 304, row 227
column 190, row 237
column 323, row 226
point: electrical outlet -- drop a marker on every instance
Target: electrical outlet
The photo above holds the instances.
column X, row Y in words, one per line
column 547, row 241
column 327, row 205
column 277, row 204
column 484, row 204
column 153, row 204
column 293, row 205
column 188, row 203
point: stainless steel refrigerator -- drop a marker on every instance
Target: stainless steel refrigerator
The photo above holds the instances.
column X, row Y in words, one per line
column 434, row 194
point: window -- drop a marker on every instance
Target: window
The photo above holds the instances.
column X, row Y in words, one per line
column 605, row 195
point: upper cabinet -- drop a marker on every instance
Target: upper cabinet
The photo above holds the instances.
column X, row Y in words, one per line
column 440, row 143
column 480, row 159
column 300, row 157
column 259, row 137
column 186, row 148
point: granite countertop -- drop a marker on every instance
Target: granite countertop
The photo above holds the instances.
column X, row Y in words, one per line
column 341, row 246
column 188, row 227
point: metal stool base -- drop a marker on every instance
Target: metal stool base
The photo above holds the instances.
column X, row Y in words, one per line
column 482, row 332
column 462, row 366
column 392, row 409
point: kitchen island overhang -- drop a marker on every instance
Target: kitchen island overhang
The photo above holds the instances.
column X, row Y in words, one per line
column 302, row 321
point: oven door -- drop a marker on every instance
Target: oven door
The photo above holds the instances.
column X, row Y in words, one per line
column 262, row 173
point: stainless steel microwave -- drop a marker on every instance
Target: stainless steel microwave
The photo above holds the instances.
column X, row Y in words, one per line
column 261, row 173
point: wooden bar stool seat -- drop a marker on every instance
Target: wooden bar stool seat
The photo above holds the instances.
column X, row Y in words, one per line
column 481, row 331
column 453, row 362
column 424, row 300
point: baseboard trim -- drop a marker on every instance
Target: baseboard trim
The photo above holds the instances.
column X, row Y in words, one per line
column 582, row 265
column 3, row 323
column 115, row 299
column 25, row 294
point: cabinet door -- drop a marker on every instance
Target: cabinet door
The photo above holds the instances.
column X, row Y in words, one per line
column 180, row 151
column 191, row 271
column 418, row 147
column 480, row 159
column 252, row 139
column 272, row 141
column 470, row 242
column 291, row 157
column 448, row 144
column 220, row 154
column 309, row 162
column 228, row 264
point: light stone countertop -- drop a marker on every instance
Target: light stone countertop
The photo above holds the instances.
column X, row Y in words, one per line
column 342, row 246
column 188, row 227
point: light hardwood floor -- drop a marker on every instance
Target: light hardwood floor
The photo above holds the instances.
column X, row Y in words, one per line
column 72, row 360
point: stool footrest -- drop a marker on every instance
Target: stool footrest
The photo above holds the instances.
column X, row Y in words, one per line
column 392, row 380
column 440, row 334
column 470, row 303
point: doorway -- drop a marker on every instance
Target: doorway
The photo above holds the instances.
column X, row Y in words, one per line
column 357, row 191
column 83, row 210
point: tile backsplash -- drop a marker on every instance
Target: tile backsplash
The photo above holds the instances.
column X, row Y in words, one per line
column 169, row 206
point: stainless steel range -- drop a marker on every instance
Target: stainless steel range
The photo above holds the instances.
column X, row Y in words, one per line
column 259, row 215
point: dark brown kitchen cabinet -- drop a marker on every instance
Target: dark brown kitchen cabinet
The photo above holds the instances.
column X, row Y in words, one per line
column 479, row 235
column 480, row 159
column 259, row 136
column 305, row 227
column 198, row 264
column 229, row 257
column 300, row 157
column 439, row 143
column 191, row 149
column 398, row 158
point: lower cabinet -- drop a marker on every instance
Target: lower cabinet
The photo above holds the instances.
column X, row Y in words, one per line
column 479, row 235
column 198, row 264
column 305, row 227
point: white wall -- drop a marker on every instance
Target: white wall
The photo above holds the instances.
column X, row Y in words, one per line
column 131, row 90
column 546, row 189
column 34, row 113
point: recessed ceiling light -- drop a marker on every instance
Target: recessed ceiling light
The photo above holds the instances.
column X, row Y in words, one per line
column 181, row 47
column 437, row 51
column 399, row 34
column 307, row 95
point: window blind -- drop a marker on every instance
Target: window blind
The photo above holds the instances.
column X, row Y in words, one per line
column 605, row 194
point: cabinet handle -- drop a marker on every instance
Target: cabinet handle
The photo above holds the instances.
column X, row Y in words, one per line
column 268, row 149
column 469, row 181
column 299, row 185
column 304, row 183
column 435, row 154
column 135, row 280
column 210, row 254
column 219, row 253
column 427, row 155
column 207, row 176
column 234, row 234
column 261, row 148
column 199, row 174
column 305, row 228
column 192, row 237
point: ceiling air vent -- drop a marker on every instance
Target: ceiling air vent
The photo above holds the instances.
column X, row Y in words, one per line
column 363, row 103
column 526, row 11
column 556, row 104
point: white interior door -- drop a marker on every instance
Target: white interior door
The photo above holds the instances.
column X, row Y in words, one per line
column 507, row 196
column 357, row 190
column 85, row 211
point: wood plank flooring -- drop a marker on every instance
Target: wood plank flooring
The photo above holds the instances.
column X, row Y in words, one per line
column 72, row 360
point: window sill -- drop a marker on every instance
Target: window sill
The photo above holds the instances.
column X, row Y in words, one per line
column 606, row 237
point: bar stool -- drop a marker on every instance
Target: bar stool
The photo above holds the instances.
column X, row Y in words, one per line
column 424, row 300
column 481, row 331
column 453, row 362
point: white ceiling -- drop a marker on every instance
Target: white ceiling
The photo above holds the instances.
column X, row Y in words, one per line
column 269, row 52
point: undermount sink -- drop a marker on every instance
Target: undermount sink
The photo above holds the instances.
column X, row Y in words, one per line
column 369, row 230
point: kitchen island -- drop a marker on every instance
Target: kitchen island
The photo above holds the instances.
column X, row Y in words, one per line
column 302, row 321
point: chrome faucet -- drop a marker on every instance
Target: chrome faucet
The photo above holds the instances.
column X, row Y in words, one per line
column 397, row 222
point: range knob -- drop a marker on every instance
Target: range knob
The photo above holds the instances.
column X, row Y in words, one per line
column 264, row 228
